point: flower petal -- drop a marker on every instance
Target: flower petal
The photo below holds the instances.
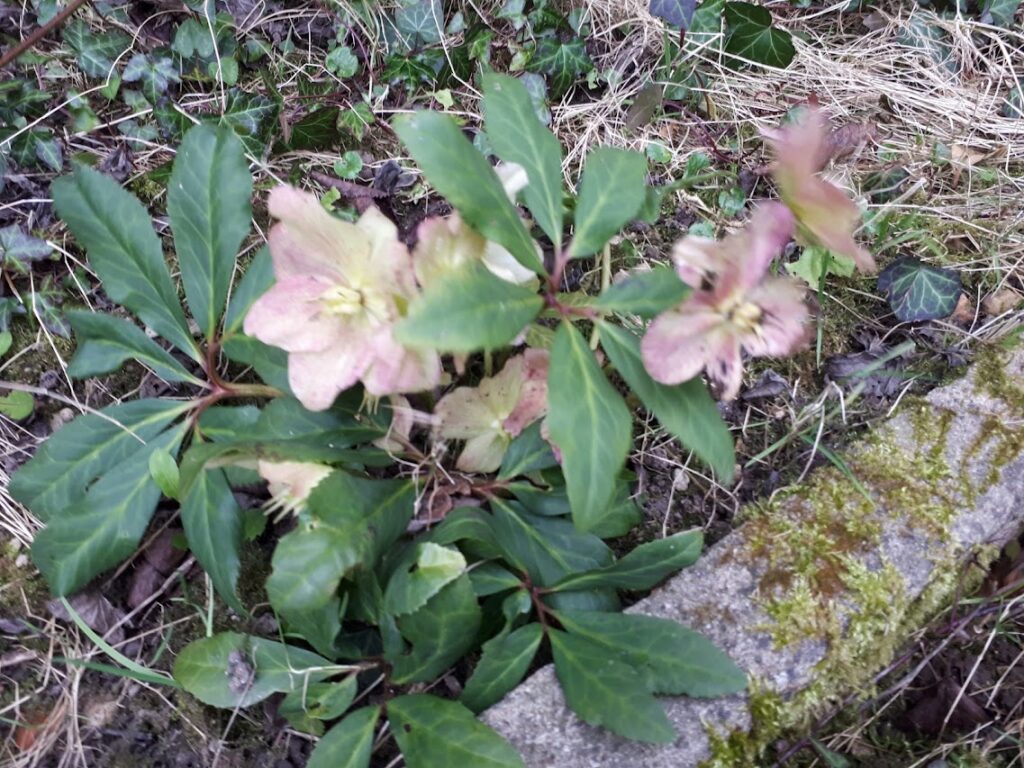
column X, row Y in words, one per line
column 309, row 241
column 483, row 453
column 725, row 363
column 465, row 413
column 317, row 378
column 390, row 265
column 783, row 325
column 532, row 402
column 676, row 345
column 396, row 369
column 696, row 258
column 290, row 316
column 444, row 245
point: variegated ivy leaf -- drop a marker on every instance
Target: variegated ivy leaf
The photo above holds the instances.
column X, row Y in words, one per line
column 563, row 62
column 917, row 291
column 154, row 74
column 18, row 248
column 677, row 13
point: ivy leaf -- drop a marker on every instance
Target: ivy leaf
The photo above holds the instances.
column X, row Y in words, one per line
column 249, row 115
column 212, row 521
column 501, row 667
column 644, row 567
column 589, row 422
column 342, row 62
column 470, row 309
column 105, row 342
column 315, row 132
column 752, row 36
column 612, row 191
column 670, row 657
column 96, row 51
column 1001, row 13
column 230, row 670
column 427, row 572
column 80, row 452
column 123, row 250
column 676, row 13
column 193, row 38
column 605, row 692
column 686, row 410
column 419, row 21
column 349, row 744
column 102, row 529
column 48, row 152
column 154, row 74
column 18, row 248
column 917, row 291
column 464, row 177
column 441, row 632
column 645, row 294
column 208, row 205
column 519, row 137
column 432, row 732
column 563, row 62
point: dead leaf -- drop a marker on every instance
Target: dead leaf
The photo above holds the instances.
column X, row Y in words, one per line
column 846, row 140
column 95, row 610
column 963, row 313
column 158, row 562
column 929, row 715
column 1003, row 300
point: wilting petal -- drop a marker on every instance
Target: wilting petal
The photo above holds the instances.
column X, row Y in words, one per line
column 402, row 419
column 696, row 258
column 513, row 178
column 825, row 215
column 783, row 326
column 464, row 413
column 389, row 268
column 310, row 241
column 504, row 265
column 483, row 453
column 748, row 253
column 532, row 402
column 676, row 345
column 317, row 378
column 291, row 482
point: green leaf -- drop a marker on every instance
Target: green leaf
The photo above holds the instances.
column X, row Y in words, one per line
column 306, row 706
column 419, row 22
column 315, row 132
column 612, row 192
column 441, row 632
column 644, row 567
column 548, row 549
column 815, row 263
column 342, row 62
column 18, row 248
column 208, row 205
column 677, row 13
column 674, row 659
column 123, row 250
column 752, row 36
column 105, row 342
column 349, row 165
column 102, row 529
column 64, row 466
column 503, row 664
column 154, row 74
column 249, row 115
column 434, row 732
column 686, row 410
column 606, row 692
column 351, row 520
column 589, row 422
column 917, row 291
column 464, row 177
column 490, row 578
column 230, row 670
column 17, row 405
column 564, row 62
column 529, row 452
column 519, row 137
column 271, row 363
column 96, row 51
column 213, row 525
column 164, row 471
column 257, row 280
column 645, row 294
column 349, row 744
column 1000, row 12
column 470, row 309
column 431, row 568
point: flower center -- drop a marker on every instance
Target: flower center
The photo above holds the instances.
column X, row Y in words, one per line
column 747, row 316
column 342, row 300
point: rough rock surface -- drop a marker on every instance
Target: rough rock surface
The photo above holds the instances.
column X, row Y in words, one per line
column 816, row 590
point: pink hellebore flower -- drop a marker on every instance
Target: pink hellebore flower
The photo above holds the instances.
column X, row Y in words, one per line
column 491, row 414
column 734, row 307
column 825, row 215
column 340, row 288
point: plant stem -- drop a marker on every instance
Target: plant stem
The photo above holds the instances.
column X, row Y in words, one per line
column 40, row 33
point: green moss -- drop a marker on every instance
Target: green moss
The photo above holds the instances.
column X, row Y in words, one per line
column 769, row 715
column 823, row 579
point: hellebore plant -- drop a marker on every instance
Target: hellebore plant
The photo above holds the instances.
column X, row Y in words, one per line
column 398, row 551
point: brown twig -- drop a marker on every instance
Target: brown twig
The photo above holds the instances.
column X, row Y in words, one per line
column 40, row 33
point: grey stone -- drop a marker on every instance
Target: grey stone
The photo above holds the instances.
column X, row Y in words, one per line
column 945, row 481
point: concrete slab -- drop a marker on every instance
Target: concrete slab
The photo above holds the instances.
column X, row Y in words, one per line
column 818, row 588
